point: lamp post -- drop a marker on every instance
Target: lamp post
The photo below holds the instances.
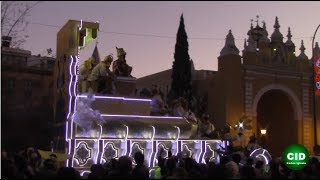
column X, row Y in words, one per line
column 316, row 147
column 263, row 132
column 263, row 138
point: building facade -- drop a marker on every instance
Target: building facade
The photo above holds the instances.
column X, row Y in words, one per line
column 163, row 81
column 269, row 84
column 26, row 98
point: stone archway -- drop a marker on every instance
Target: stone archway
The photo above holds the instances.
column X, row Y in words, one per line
column 292, row 97
column 277, row 109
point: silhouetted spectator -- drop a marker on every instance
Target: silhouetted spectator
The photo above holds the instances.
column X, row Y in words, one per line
column 232, row 170
column 252, row 145
column 247, row 171
column 274, row 169
column 68, row 173
column 315, row 168
column 170, row 166
column 179, row 173
column 192, row 168
column 284, row 170
column 297, row 174
column 24, row 169
column 217, row 172
column 140, row 171
column 260, row 170
column 236, row 157
column 8, row 169
column 224, row 159
column 49, row 170
column 97, row 172
column 114, row 168
column 125, row 168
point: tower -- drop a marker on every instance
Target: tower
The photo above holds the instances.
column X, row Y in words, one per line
column 229, row 91
column 71, row 38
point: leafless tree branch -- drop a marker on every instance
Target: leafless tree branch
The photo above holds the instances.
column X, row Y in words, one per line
column 13, row 20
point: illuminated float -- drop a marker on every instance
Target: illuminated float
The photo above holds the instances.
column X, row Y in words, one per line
column 100, row 127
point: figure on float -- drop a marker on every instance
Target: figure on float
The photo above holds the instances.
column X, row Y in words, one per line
column 120, row 66
column 101, row 79
column 84, row 72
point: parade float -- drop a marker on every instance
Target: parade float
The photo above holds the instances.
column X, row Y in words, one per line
column 99, row 127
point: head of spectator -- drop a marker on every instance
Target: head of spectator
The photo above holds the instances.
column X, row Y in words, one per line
column 236, row 157
column 68, row 173
column 259, row 164
column 125, row 164
column 139, row 158
column 97, row 171
column 250, row 161
column 232, row 169
column 49, row 164
column 180, row 173
column 224, row 159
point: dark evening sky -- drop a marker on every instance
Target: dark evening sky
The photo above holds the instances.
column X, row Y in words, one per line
column 147, row 30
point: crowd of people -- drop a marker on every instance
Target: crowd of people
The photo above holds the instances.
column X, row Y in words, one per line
column 233, row 165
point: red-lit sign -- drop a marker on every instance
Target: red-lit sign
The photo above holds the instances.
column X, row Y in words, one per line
column 317, row 75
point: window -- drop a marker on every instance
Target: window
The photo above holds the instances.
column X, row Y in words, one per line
column 27, row 84
column 11, row 84
column 51, row 84
column 35, row 84
column 28, row 88
column 28, row 93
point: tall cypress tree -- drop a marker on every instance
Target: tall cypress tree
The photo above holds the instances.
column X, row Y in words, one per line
column 181, row 68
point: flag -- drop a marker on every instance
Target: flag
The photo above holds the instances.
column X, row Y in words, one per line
column 87, row 37
column 317, row 75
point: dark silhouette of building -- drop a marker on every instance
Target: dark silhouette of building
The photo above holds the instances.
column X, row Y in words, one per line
column 26, row 99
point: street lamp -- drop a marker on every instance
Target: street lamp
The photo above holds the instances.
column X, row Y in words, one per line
column 263, row 132
column 316, row 146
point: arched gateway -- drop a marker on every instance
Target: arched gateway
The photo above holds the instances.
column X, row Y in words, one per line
column 276, row 118
column 270, row 85
column 268, row 67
